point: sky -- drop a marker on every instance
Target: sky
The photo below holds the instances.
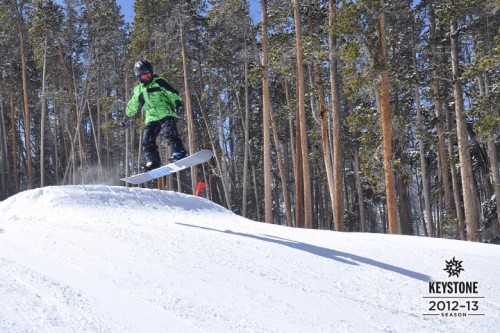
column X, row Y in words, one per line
column 127, row 8
column 97, row 258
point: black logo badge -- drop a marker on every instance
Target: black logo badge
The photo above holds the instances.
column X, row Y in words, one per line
column 453, row 267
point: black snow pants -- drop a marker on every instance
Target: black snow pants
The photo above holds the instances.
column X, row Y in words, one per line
column 168, row 126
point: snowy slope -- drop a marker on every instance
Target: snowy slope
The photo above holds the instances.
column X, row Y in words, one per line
column 116, row 259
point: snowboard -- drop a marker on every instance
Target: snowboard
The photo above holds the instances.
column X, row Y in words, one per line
column 194, row 159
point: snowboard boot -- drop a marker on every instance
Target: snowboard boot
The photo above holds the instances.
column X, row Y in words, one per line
column 178, row 155
column 153, row 161
column 150, row 166
column 179, row 151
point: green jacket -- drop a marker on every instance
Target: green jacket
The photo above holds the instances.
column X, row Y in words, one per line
column 156, row 98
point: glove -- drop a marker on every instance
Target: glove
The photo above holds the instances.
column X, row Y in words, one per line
column 179, row 108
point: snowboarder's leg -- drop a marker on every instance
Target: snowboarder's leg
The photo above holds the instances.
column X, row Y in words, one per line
column 149, row 145
column 174, row 139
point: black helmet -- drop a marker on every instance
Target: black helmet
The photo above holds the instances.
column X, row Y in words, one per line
column 142, row 67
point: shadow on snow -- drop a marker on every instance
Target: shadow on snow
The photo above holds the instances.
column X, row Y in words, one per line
column 343, row 257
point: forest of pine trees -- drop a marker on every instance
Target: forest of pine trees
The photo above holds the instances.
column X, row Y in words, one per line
column 353, row 115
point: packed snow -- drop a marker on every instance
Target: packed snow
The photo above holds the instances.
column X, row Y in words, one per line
column 117, row 259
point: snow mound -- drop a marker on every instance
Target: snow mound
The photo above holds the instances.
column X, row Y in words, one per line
column 84, row 197
column 116, row 259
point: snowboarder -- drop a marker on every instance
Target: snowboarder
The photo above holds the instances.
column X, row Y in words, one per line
column 160, row 103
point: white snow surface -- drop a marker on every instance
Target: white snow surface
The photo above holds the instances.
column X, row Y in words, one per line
column 117, row 259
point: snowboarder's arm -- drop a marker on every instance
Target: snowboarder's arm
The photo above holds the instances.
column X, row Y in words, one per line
column 135, row 103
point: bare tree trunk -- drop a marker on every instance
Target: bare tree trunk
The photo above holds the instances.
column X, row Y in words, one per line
column 422, row 209
column 27, row 120
column 58, row 140
column 4, row 152
column 450, row 143
column 290, row 122
column 385, row 118
column 15, row 144
column 421, row 145
column 266, row 110
column 281, row 167
column 406, row 224
column 42, row 121
column 292, row 148
column 96, row 131
column 327, row 156
column 297, row 173
column 188, row 108
column 256, row 193
column 96, row 139
column 222, row 162
column 128, row 144
column 246, row 146
column 468, row 184
column 359, row 189
column 301, row 121
column 338, row 207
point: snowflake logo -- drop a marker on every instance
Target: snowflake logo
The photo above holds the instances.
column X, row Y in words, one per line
column 453, row 267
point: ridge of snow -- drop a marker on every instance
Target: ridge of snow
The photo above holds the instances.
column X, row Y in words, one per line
column 115, row 259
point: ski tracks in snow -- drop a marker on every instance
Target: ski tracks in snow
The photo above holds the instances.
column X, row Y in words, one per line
column 44, row 304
